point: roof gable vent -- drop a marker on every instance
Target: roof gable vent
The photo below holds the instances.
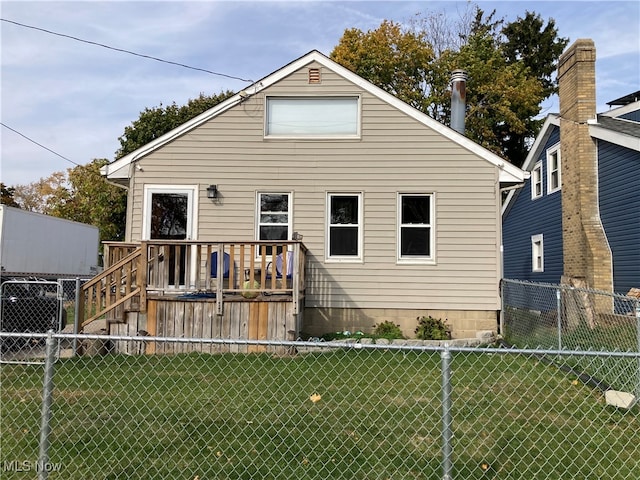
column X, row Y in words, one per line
column 314, row 75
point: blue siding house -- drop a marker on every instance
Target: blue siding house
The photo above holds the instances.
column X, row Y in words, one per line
column 539, row 233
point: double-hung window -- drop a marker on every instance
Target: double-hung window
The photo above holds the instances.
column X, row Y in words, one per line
column 415, row 228
column 536, row 181
column 554, row 178
column 274, row 217
column 344, row 229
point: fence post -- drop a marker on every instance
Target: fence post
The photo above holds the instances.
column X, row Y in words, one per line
column 446, row 413
column 502, row 302
column 76, row 318
column 638, row 337
column 559, row 315
column 47, row 396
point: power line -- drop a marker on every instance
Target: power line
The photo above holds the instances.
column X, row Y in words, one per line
column 39, row 144
column 126, row 51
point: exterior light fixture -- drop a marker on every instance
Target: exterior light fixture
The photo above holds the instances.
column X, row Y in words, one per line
column 212, row 192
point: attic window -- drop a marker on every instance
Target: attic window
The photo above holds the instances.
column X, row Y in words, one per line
column 314, row 75
column 312, row 117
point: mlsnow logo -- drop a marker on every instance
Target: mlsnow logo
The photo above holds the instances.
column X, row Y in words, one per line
column 29, row 466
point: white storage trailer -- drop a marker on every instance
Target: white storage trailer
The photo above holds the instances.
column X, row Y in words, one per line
column 37, row 245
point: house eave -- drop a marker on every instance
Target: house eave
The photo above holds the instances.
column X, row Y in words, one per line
column 617, row 138
column 508, row 172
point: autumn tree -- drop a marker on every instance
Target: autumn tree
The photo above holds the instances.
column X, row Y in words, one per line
column 507, row 77
column 155, row 122
column 394, row 59
column 35, row 196
column 88, row 198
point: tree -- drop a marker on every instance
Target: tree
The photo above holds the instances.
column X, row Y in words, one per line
column 537, row 46
column 503, row 98
column 35, row 196
column 507, row 80
column 155, row 122
column 89, row 198
column 6, row 196
column 393, row 59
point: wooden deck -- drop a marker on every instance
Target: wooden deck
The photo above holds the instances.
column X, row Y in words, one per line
column 184, row 289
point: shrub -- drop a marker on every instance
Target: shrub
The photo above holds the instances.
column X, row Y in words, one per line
column 388, row 330
column 341, row 335
column 430, row 328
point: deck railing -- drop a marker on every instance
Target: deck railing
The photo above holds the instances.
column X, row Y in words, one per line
column 245, row 270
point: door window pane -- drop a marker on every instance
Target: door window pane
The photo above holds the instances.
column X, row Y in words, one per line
column 169, row 213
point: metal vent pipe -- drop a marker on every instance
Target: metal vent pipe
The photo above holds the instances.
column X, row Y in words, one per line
column 458, row 99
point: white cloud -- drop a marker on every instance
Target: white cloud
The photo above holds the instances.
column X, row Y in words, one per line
column 77, row 98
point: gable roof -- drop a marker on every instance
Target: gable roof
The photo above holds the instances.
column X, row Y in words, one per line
column 605, row 126
column 616, row 130
column 120, row 169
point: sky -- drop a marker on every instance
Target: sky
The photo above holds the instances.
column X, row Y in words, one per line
column 75, row 99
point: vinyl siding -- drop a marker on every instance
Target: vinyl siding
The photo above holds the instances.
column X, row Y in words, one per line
column 529, row 217
column 395, row 154
column 633, row 116
column 619, row 184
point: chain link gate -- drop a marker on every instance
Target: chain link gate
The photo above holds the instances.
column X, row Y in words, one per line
column 314, row 410
column 28, row 307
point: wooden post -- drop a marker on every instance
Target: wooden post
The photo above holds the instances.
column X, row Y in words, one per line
column 295, row 282
column 141, row 275
column 220, row 279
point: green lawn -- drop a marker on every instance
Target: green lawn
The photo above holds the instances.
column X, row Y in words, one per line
column 234, row 416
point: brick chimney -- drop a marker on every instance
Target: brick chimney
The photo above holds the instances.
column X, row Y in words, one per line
column 587, row 256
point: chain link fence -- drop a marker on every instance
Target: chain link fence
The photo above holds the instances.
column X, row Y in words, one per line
column 29, row 306
column 312, row 410
column 568, row 318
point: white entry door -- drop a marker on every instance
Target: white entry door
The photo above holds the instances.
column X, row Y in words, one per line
column 170, row 214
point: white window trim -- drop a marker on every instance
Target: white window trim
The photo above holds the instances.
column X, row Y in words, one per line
column 554, row 150
column 358, row 133
column 344, row 258
column 289, row 212
column 413, row 260
column 537, row 250
column 536, row 178
column 192, row 207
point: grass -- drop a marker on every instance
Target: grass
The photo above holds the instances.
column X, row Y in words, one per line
column 527, row 329
column 250, row 417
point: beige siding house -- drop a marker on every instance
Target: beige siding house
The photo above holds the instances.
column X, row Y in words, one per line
column 399, row 215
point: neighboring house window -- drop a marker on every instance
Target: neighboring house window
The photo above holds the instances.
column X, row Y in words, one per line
column 554, row 179
column 312, row 117
column 537, row 253
column 536, row 181
column 344, row 230
column 274, row 217
column 415, row 227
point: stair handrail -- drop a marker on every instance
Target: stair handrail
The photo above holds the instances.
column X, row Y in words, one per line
column 104, row 289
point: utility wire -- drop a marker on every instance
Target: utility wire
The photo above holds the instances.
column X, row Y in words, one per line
column 39, row 144
column 126, row 51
